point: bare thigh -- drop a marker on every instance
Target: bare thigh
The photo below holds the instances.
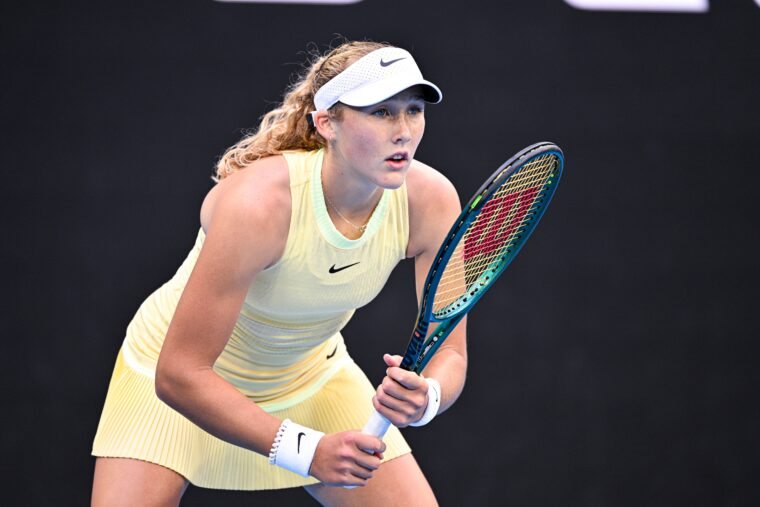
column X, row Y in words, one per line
column 129, row 482
column 398, row 482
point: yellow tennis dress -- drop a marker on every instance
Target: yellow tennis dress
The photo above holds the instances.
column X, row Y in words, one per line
column 285, row 353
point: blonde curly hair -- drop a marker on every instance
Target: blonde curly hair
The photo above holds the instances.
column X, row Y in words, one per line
column 286, row 127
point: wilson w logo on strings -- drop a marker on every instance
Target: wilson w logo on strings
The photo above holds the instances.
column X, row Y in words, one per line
column 498, row 220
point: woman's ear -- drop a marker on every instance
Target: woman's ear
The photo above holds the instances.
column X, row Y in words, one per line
column 324, row 124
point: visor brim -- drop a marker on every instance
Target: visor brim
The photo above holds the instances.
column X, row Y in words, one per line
column 379, row 91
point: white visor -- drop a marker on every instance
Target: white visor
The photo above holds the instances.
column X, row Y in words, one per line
column 373, row 78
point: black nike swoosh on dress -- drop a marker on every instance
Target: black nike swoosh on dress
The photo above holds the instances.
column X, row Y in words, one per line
column 333, row 269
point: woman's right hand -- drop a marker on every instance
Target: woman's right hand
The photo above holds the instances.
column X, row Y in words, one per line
column 348, row 458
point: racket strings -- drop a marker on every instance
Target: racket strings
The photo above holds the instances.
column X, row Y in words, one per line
column 491, row 237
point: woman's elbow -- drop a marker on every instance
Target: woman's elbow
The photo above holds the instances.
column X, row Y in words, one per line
column 166, row 384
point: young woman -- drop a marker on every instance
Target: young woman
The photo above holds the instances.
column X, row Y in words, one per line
column 234, row 374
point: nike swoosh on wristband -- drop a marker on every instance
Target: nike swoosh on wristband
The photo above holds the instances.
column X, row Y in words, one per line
column 390, row 62
column 333, row 269
column 333, row 352
column 300, row 435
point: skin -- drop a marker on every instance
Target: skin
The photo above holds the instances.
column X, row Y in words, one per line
column 355, row 170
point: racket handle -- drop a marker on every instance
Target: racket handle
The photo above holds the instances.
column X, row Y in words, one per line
column 377, row 425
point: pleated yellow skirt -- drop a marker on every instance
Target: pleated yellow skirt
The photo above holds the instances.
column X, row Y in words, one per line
column 136, row 424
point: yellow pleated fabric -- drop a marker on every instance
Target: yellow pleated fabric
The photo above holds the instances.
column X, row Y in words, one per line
column 294, row 311
column 136, row 424
column 286, row 352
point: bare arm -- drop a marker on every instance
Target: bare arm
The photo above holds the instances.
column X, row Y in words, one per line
column 247, row 218
column 244, row 235
column 402, row 397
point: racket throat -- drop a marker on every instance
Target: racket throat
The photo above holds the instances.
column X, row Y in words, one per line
column 416, row 344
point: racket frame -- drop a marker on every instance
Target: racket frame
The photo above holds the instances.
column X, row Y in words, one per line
column 421, row 348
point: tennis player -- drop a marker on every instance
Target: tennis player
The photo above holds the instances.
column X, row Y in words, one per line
column 234, row 374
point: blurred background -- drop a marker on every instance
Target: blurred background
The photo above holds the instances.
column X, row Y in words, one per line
column 614, row 364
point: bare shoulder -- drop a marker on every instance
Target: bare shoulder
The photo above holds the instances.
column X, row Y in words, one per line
column 425, row 183
column 248, row 214
column 261, row 189
column 433, row 206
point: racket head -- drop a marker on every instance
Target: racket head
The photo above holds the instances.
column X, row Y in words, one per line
column 492, row 228
column 482, row 242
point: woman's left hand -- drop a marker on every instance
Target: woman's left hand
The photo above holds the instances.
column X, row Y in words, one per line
column 402, row 396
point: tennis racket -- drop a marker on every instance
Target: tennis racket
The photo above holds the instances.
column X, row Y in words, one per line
column 483, row 241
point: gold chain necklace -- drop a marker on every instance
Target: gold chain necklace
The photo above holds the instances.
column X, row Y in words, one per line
column 360, row 228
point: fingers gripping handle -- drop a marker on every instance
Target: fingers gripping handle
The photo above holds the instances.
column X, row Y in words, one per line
column 377, row 425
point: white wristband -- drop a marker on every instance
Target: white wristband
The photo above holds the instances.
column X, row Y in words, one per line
column 293, row 447
column 434, row 402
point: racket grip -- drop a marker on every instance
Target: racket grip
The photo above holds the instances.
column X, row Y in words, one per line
column 377, row 425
